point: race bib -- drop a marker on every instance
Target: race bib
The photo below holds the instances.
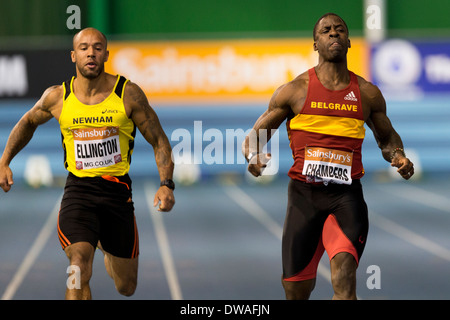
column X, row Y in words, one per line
column 327, row 165
column 96, row 147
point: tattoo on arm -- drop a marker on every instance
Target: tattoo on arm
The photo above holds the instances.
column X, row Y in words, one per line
column 20, row 135
column 148, row 124
column 24, row 130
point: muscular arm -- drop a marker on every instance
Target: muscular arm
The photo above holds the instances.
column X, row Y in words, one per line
column 148, row 124
column 23, row 131
column 272, row 118
column 388, row 139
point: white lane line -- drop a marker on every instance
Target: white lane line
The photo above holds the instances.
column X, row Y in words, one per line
column 421, row 196
column 257, row 212
column 33, row 253
column 409, row 236
column 254, row 209
column 163, row 244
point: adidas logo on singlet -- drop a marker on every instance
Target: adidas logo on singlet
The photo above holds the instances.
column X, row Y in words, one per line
column 351, row 96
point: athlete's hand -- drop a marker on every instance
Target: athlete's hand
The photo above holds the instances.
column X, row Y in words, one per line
column 405, row 167
column 258, row 162
column 165, row 198
column 6, row 178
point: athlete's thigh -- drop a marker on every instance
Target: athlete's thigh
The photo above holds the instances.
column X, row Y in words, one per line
column 301, row 241
column 78, row 220
column 124, row 269
column 351, row 218
column 119, row 236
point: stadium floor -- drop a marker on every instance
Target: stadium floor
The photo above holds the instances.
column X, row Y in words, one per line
column 222, row 241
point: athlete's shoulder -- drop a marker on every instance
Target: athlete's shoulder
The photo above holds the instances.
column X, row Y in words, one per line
column 52, row 96
column 299, row 82
column 368, row 89
column 134, row 91
column 134, row 97
column 371, row 96
column 293, row 90
column 287, row 97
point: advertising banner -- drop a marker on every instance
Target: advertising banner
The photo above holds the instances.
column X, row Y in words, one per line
column 410, row 69
column 212, row 71
column 180, row 72
column 27, row 73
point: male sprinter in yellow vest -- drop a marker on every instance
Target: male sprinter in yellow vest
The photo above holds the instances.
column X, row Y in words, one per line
column 98, row 114
column 326, row 108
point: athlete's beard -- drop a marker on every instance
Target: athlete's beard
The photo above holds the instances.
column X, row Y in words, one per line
column 91, row 74
column 337, row 57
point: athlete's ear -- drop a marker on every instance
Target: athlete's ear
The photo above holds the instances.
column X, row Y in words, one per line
column 349, row 44
column 72, row 55
column 106, row 55
column 315, row 46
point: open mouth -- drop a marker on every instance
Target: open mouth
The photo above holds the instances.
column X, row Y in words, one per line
column 91, row 65
column 335, row 44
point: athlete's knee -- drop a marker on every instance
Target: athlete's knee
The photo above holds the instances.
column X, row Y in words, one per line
column 124, row 272
column 344, row 285
column 125, row 281
column 127, row 288
column 298, row 290
column 81, row 258
column 343, row 276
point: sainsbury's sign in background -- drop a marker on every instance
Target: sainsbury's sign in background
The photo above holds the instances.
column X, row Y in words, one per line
column 238, row 71
column 411, row 68
column 180, row 72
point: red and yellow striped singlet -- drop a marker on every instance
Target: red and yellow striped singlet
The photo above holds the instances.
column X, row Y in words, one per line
column 327, row 135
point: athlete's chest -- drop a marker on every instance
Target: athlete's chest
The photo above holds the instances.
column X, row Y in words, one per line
column 94, row 99
column 110, row 112
column 334, row 103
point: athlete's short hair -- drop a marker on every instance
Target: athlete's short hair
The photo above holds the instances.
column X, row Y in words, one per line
column 90, row 28
column 324, row 16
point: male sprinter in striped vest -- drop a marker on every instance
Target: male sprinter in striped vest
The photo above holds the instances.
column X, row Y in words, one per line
column 98, row 114
column 326, row 108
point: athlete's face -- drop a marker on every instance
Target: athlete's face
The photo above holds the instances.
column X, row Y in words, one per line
column 331, row 39
column 89, row 53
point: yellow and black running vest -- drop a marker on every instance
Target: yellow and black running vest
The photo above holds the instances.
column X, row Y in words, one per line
column 97, row 139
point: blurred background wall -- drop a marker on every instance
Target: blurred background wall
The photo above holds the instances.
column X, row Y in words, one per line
column 185, row 19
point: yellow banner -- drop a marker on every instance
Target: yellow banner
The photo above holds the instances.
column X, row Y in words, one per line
column 212, row 71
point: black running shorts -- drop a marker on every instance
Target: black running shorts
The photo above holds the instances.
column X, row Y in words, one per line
column 99, row 209
column 322, row 217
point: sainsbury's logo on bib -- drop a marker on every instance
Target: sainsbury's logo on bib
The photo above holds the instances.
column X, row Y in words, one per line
column 327, row 165
column 96, row 147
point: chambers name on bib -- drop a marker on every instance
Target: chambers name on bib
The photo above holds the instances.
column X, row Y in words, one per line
column 327, row 165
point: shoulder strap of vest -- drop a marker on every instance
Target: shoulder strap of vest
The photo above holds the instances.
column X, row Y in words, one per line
column 119, row 88
column 67, row 88
column 312, row 76
column 353, row 77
